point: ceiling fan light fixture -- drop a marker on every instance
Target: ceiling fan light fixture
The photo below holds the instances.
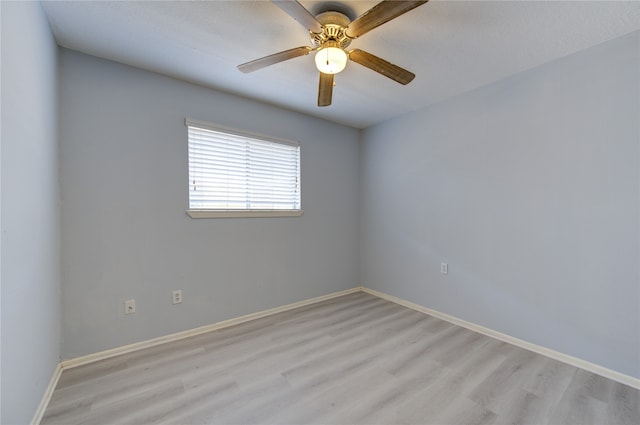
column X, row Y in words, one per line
column 331, row 59
column 330, row 33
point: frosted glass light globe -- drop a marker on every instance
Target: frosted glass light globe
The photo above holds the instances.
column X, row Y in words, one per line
column 331, row 60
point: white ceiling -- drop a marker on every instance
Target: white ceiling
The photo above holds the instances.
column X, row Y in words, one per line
column 451, row 46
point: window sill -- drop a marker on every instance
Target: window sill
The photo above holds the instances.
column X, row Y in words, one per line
column 242, row 213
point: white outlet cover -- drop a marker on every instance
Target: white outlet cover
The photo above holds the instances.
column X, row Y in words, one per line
column 129, row 306
column 177, row 296
column 444, row 268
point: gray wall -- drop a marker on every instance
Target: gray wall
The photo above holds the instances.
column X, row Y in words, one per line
column 125, row 233
column 529, row 188
column 30, row 241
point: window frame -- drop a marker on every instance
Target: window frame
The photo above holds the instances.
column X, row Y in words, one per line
column 197, row 213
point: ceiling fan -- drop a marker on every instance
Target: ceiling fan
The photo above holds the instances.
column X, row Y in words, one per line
column 331, row 32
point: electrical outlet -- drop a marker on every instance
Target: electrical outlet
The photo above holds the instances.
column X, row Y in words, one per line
column 129, row 306
column 444, row 268
column 177, row 296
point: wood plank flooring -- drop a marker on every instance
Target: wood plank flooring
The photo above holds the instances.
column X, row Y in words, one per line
column 356, row 359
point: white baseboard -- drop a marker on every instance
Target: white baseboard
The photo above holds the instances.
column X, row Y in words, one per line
column 573, row 361
column 90, row 358
column 47, row 395
column 556, row 355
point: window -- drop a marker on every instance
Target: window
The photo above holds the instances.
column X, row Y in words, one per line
column 238, row 174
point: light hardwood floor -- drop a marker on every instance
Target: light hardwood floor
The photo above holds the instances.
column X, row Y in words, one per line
column 356, row 359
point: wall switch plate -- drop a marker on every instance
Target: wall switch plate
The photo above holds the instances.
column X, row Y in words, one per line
column 129, row 306
column 177, row 296
column 444, row 268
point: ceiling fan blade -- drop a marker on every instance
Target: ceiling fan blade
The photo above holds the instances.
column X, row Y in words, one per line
column 257, row 64
column 382, row 12
column 381, row 66
column 325, row 89
column 300, row 14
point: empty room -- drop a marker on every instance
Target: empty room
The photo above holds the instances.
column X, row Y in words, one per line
column 320, row 212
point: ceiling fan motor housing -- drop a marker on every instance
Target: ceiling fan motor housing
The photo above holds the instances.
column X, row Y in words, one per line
column 333, row 29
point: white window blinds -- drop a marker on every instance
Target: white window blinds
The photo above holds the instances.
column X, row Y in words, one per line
column 230, row 170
